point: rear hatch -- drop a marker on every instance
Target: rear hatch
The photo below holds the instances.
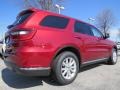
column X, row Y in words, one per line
column 17, row 32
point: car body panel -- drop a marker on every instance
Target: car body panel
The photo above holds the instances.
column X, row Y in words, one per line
column 41, row 48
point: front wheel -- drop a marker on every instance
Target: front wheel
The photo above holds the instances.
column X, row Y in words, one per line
column 113, row 58
column 65, row 67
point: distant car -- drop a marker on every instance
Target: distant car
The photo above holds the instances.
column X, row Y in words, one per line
column 1, row 47
column 118, row 45
column 42, row 43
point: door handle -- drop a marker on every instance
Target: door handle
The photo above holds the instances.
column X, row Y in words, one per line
column 77, row 37
column 99, row 39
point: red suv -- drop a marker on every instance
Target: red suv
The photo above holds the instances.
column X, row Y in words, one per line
column 42, row 43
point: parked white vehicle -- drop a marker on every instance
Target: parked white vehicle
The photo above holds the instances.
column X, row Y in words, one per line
column 118, row 45
column 1, row 47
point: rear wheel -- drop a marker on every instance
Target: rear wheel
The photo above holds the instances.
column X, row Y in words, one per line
column 113, row 58
column 65, row 67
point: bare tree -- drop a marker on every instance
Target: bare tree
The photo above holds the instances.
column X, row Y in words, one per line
column 46, row 4
column 42, row 4
column 105, row 20
column 27, row 4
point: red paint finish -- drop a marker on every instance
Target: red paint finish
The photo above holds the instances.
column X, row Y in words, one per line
column 38, row 46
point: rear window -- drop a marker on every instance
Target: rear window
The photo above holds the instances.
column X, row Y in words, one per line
column 20, row 19
column 55, row 22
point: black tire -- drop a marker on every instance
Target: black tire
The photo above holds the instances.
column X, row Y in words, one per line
column 111, row 60
column 58, row 64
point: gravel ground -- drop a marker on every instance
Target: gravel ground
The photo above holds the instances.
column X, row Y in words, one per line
column 94, row 77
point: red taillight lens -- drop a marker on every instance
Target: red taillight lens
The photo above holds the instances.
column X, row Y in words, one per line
column 22, row 34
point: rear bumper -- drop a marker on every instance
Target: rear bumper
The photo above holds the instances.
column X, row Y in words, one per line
column 38, row 71
column 29, row 57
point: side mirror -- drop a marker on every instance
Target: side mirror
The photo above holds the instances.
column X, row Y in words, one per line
column 10, row 26
column 107, row 35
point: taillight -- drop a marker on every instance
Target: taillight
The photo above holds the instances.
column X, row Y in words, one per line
column 22, row 34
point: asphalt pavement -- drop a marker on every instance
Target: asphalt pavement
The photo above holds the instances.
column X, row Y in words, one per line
column 93, row 77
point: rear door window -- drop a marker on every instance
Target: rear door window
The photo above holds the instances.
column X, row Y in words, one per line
column 55, row 22
column 82, row 28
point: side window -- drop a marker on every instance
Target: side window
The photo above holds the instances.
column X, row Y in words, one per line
column 54, row 21
column 96, row 32
column 82, row 28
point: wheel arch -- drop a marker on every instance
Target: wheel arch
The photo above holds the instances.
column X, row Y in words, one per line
column 115, row 47
column 73, row 49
